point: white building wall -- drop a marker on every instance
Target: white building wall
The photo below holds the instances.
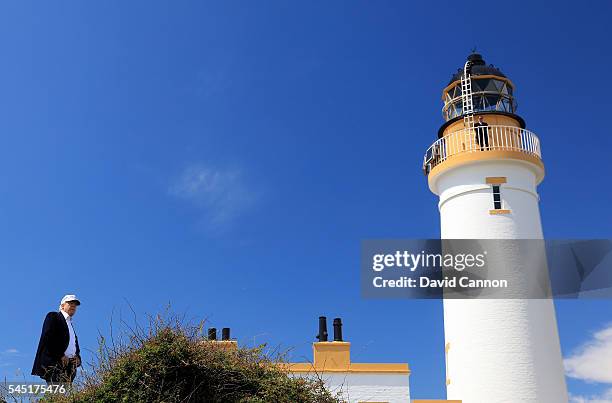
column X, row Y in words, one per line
column 498, row 350
column 465, row 201
column 368, row 387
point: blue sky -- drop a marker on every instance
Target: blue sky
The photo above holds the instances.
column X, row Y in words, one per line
column 229, row 157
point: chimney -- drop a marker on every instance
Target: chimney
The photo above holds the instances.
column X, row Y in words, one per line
column 334, row 355
column 322, row 336
column 225, row 343
column 337, row 329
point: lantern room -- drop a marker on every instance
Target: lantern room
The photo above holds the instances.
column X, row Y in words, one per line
column 492, row 91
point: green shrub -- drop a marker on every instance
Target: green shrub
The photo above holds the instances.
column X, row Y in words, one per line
column 171, row 362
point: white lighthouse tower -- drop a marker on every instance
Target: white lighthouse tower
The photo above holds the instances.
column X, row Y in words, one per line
column 497, row 350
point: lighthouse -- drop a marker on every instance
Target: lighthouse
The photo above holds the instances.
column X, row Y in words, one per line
column 485, row 167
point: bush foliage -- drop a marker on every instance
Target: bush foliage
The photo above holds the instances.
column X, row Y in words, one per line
column 172, row 362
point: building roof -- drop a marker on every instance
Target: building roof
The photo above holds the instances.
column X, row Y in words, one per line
column 479, row 68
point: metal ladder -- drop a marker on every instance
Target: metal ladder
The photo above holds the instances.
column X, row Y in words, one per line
column 466, row 97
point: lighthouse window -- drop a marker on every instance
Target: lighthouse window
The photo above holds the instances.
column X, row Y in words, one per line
column 497, row 205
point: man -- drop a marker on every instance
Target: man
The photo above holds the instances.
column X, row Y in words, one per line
column 58, row 354
column 482, row 133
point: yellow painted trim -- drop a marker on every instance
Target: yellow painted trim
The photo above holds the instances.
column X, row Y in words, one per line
column 333, row 344
column 496, row 180
column 298, row 367
column 491, row 117
column 385, row 368
column 496, row 212
column 334, row 356
column 379, row 367
column 489, row 155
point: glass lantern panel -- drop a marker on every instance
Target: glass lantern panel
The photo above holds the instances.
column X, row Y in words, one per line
column 458, row 91
column 484, row 83
column 492, row 99
column 459, row 108
column 479, row 102
column 492, row 86
column 504, row 105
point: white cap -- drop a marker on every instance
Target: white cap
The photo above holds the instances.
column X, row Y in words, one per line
column 70, row 297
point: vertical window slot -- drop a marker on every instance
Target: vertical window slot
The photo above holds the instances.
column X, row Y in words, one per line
column 497, row 204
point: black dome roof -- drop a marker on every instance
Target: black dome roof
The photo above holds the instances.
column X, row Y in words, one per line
column 479, row 68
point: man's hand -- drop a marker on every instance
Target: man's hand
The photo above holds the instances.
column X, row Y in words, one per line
column 65, row 361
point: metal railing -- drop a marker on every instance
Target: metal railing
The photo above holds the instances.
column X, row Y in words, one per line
column 481, row 139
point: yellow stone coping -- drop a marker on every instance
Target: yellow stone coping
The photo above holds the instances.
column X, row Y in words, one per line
column 383, row 368
column 496, row 180
column 499, row 211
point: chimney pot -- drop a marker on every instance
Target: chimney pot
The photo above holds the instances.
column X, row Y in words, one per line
column 322, row 336
column 337, row 329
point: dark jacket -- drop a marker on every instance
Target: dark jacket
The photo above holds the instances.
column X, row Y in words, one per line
column 53, row 343
column 481, row 126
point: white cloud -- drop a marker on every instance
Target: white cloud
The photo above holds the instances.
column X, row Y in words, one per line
column 605, row 397
column 11, row 351
column 221, row 194
column 592, row 361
